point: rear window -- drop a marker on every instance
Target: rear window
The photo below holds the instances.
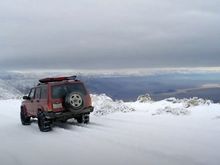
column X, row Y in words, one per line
column 60, row 91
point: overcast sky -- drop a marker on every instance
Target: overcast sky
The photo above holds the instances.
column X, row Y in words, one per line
column 109, row 34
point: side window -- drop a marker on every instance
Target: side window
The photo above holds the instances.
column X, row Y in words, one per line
column 37, row 95
column 32, row 92
column 43, row 92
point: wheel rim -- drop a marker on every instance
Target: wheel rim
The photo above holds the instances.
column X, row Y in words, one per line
column 76, row 100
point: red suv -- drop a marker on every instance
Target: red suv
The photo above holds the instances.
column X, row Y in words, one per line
column 56, row 99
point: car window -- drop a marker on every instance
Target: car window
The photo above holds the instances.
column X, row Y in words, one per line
column 43, row 92
column 32, row 92
column 37, row 94
column 60, row 91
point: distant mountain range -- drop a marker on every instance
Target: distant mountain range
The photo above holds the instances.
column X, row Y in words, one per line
column 124, row 87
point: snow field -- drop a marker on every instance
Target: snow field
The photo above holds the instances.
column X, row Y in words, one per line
column 119, row 133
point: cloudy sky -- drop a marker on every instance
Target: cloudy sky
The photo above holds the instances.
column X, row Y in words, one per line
column 109, row 34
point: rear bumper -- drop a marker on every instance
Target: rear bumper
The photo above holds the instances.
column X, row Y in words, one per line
column 68, row 114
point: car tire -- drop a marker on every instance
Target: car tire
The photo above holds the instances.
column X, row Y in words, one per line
column 43, row 123
column 25, row 120
column 74, row 101
column 83, row 119
column 63, row 121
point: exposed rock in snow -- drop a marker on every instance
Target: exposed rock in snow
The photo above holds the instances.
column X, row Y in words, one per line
column 191, row 102
column 105, row 105
column 173, row 111
column 144, row 98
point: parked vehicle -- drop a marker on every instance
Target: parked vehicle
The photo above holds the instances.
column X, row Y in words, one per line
column 56, row 99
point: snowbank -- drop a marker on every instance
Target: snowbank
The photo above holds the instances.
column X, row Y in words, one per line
column 191, row 102
column 144, row 98
column 105, row 105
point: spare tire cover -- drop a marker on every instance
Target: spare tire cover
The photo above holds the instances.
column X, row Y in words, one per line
column 74, row 100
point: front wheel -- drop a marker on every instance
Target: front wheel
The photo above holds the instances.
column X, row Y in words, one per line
column 25, row 120
column 43, row 123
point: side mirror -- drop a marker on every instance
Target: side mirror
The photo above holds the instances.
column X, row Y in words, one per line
column 26, row 98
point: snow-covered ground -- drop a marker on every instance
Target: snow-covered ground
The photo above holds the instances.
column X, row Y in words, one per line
column 167, row 132
column 7, row 91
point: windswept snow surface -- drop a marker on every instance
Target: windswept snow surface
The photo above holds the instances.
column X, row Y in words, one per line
column 156, row 133
column 7, row 91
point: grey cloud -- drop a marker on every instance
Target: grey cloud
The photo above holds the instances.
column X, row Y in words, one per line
column 109, row 34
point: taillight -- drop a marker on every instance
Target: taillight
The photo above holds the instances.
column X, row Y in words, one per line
column 90, row 101
column 49, row 106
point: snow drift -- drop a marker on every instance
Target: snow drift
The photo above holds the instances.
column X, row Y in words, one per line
column 105, row 105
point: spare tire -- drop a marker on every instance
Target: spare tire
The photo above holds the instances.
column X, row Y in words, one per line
column 74, row 101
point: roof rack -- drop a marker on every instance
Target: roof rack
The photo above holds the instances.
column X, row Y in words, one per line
column 54, row 79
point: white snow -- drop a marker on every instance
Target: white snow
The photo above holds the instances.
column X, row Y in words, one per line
column 8, row 91
column 154, row 133
column 105, row 105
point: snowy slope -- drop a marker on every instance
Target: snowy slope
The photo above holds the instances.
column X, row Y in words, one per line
column 8, row 91
column 131, row 133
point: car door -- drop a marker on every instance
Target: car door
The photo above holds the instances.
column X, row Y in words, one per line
column 43, row 104
column 36, row 101
column 30, row 103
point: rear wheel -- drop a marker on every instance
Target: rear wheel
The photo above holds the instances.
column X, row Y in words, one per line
column 63, row 121
column 83, row 119
column 25, row 120
column 43, row 123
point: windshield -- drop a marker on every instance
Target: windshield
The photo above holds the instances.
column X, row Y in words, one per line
column 60, row 91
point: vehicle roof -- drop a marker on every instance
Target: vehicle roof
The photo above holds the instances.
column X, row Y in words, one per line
column 61, row 82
